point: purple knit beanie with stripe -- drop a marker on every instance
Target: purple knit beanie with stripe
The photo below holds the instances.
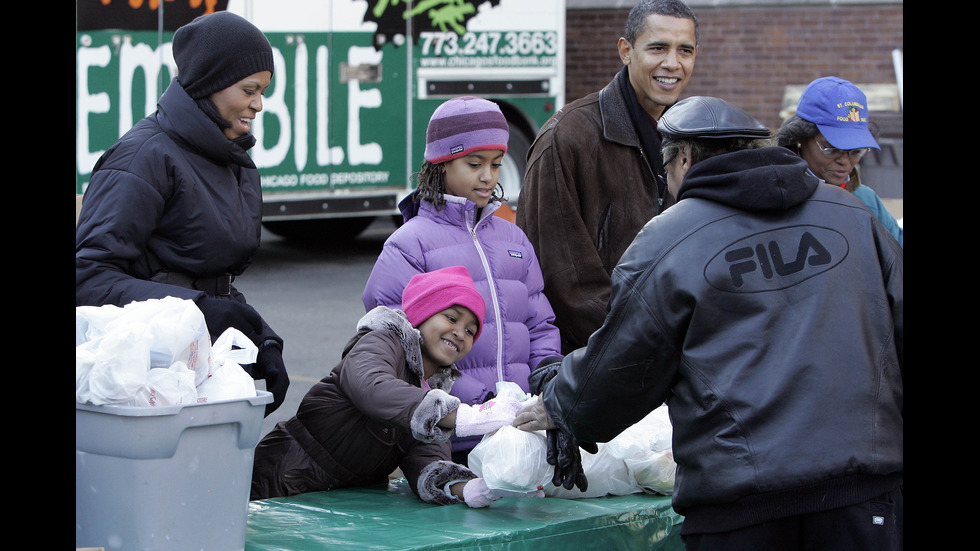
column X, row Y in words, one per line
column 463, row 125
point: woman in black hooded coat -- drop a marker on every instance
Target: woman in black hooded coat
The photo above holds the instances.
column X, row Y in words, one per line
column 174, row 207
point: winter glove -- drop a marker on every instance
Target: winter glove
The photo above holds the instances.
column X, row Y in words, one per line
column 486, row 417
column 269, row 366
column 563, row 450
column 222, row 313
column 476, row 494
column 563, row 453
column 546, row 371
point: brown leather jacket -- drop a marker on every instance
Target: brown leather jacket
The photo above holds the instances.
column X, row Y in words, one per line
column 588, row 189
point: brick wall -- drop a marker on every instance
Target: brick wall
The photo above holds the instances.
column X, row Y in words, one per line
column 747, row 55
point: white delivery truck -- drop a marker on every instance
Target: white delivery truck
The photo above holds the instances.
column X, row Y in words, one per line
column 343, row 124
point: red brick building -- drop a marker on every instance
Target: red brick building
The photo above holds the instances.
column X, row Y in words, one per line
column 750, row 50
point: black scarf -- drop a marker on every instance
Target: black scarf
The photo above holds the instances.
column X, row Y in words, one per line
column 646, row 127
column 245, row 141
column 211, row 110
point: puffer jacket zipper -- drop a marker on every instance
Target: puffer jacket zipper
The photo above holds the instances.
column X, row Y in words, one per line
column 493, row 294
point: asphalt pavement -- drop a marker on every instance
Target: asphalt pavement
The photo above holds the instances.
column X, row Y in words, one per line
column 310, row 294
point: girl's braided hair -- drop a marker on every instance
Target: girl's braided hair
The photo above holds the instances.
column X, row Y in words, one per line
column 431, row 185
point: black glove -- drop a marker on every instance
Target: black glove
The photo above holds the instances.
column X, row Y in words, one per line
column 563, row 453
column 269, row 366
column 563, row 450
column 222, row 313
column 546, row 371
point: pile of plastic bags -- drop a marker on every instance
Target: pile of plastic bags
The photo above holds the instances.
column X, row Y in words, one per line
column 157, row 352
column 640, row 459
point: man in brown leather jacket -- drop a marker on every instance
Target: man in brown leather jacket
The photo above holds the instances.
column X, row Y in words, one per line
column 594, row 175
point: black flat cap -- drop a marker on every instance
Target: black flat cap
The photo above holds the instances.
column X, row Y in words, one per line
column 707, row 117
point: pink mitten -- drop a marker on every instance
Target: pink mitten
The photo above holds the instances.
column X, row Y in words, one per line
column 486, row 417
column 476, row 494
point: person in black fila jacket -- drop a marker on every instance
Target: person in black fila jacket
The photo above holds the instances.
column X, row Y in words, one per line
column 766, row 311
column 174, row 207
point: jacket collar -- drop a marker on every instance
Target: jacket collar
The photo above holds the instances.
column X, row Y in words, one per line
column 456, row 210
column 617, row 126
column 182, row 120
column 625, row 122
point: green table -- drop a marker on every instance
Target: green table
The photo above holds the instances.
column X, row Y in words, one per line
column 393, row 518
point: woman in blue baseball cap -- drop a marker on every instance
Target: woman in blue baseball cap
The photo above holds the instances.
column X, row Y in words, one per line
column 830, row 131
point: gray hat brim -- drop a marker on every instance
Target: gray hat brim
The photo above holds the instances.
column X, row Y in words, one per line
column 709, row 117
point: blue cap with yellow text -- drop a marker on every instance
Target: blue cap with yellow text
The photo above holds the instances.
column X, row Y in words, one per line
column 840, row 111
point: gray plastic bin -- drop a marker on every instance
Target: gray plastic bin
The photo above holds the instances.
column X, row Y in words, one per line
column 165, row 478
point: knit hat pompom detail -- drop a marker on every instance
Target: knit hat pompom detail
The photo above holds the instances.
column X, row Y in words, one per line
column 217, row 50
column 463, row 125
column 432, row 292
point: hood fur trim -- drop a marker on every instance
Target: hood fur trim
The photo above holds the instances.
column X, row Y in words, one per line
column 434, row 478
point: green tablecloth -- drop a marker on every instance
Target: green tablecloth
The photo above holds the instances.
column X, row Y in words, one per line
column 393, row 518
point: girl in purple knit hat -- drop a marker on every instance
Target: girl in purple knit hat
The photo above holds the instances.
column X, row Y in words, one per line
column 449, row 220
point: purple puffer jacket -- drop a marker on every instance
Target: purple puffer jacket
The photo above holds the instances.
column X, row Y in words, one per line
column 505, row 269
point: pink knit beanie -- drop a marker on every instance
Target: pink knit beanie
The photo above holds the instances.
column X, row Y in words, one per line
column 463, row 125
column 429, row 293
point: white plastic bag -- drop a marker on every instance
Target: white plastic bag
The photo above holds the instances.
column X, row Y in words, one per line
column 157, row 352
column 141, row 353
column 645, row 449
column 508, row 389
column 90, row 321
column 179, row 330
column 515, row 460
column 607, row 475
column 654, row 473
column 168, row 386
column 228, row 380
column 512, row 460
column 637, row 460
column 112, row 369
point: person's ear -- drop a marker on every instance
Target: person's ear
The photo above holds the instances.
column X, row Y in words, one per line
column 624, row 50
column 684, row 160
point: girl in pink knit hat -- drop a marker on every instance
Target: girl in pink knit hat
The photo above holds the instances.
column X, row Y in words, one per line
column 449, row 221
column 387, row 406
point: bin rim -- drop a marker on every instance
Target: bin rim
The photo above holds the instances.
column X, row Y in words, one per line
column 261, row 397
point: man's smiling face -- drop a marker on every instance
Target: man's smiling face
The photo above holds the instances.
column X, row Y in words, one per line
column 661, row 61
